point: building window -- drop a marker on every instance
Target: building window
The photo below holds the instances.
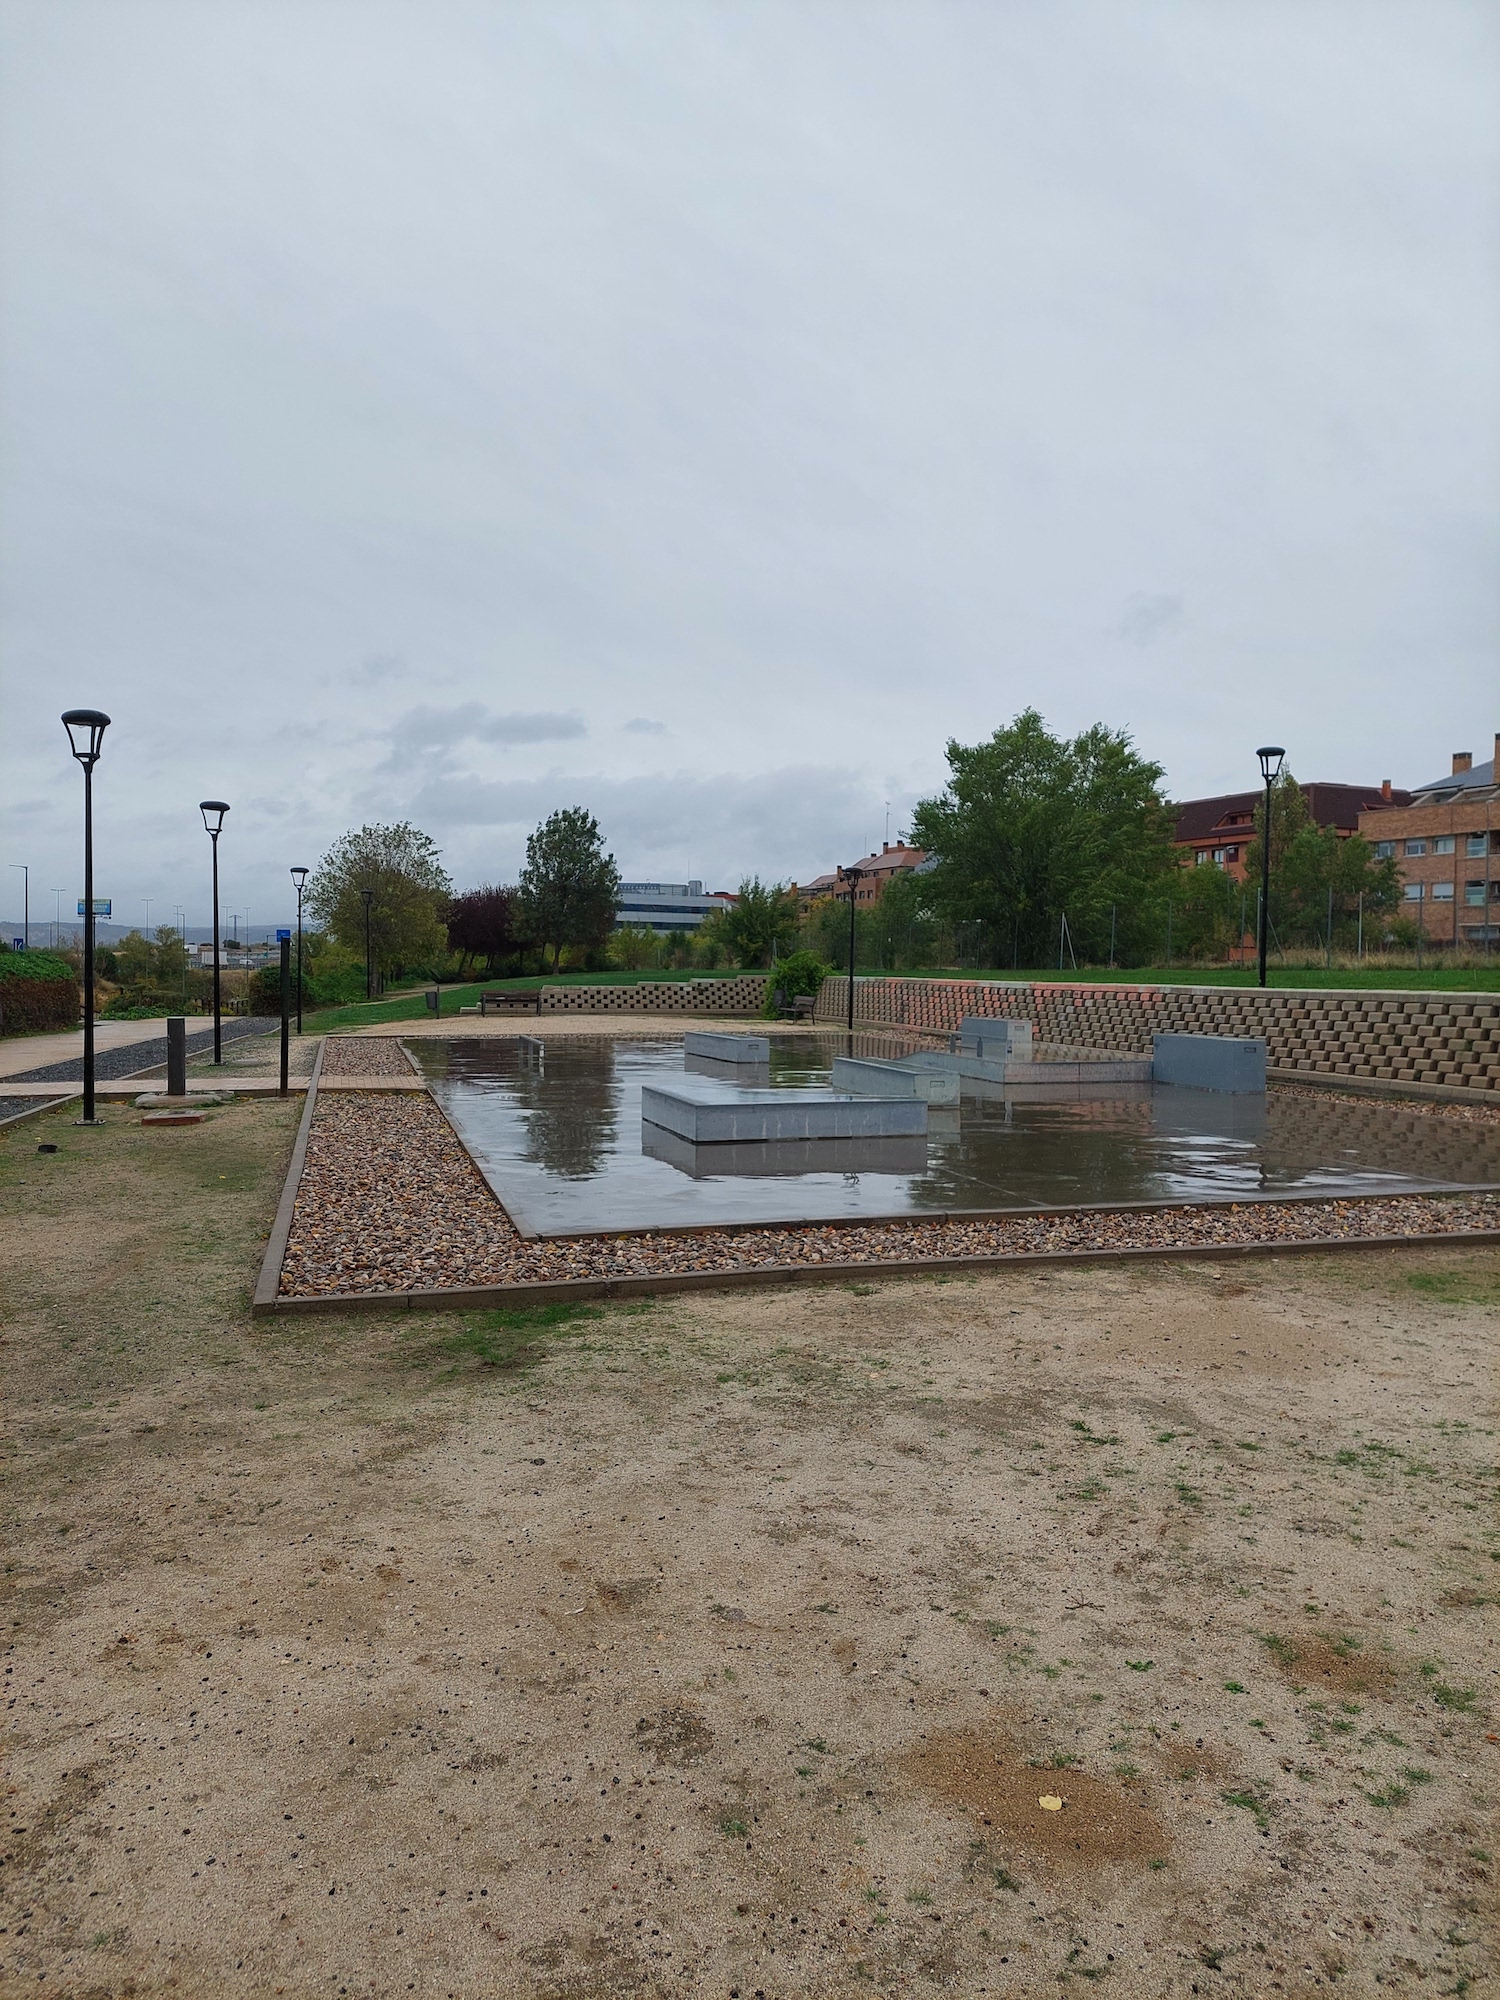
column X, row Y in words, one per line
column 1204, row 857
column 1385, row 850
column 1414, row 848
column 1442, row 892
column 1474, row 844
column 1443, row 844
column 1474, row 894
column 1413, row 892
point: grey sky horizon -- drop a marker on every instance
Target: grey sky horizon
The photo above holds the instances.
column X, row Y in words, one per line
column 702, row 413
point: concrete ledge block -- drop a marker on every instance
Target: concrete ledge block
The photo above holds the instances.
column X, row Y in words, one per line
column 1232, row 1063
column 728, row 1048
column 894, row 1079
column 707, row 1113
column 1000, row 1039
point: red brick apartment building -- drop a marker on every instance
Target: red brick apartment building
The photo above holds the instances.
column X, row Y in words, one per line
column 1220, row 830
column 1445, row 840
column 876, row 871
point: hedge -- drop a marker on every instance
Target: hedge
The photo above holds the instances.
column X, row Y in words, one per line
column 37, row 990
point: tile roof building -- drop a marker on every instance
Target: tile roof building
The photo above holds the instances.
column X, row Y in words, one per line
column 1219, row 830
column 1445, row 841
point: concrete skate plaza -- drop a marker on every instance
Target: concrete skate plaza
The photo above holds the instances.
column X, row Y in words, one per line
column 560, row 1139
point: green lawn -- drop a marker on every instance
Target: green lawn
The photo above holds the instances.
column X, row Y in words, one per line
column 412, row 1005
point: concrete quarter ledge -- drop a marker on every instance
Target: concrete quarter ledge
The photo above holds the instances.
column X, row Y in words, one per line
column 727, row 1048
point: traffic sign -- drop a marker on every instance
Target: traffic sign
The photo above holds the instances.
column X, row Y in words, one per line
column 103, row 906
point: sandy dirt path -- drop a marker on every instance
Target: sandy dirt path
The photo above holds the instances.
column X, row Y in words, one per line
column 736, row 1645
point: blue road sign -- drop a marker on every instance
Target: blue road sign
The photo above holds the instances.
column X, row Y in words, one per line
column 18, row 944
column 103, row 906
column 283, row 937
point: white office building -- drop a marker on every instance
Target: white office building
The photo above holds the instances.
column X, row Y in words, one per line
column 665, row 907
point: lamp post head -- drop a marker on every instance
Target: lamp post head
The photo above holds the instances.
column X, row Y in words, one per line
column 1270, row 762
column 369, row 896
column 85, row 727
column 213, row 811
column 299, row 876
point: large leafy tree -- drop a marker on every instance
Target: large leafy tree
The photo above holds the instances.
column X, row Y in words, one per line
column 760, row 925
column 1310, row 864
column 486, row 923
column 409, row 889
column 569, row 887
column 1033, row 828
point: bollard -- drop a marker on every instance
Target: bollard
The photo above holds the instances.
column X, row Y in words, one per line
column 176, row 1056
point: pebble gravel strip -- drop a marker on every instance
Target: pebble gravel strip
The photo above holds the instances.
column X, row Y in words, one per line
column 1465, row 1114
column 365, row 1055
column 390, row 1201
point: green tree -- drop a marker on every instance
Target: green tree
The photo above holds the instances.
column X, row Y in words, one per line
column 635, row 948
column 1032, row 829
column 761, row 925
column 152, row 970
column 1309, row 861
column 409, row 891
column 569, row 886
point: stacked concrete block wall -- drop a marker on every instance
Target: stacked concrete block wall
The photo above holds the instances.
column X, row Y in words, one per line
column 738, row 994
column 1446, row 1040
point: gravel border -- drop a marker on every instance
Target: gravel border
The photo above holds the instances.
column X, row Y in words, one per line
column 390, row 1203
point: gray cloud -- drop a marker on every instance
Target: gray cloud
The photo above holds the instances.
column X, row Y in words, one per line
column 642, row 725
column 794, row 822
column 828, row 380
column 1148, row 617
column 471, row 721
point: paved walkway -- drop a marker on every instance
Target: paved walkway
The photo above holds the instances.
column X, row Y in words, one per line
column 127, row 1051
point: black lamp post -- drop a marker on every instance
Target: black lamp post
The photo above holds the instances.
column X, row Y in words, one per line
column 299, row 876
column 86, row 727
column 369, row 896
column 853, row 877
column 1270, row 771
column 213, row 811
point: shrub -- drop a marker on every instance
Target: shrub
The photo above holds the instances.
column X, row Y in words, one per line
column 803, row 972
column 37, row 990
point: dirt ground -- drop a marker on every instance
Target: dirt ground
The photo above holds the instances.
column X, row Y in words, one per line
column 1130, row 1627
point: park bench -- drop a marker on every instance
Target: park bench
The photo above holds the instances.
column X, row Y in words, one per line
column 798, row 1008
column 510, row 1003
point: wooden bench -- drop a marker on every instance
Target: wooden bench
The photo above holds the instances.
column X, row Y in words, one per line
column 510, row 1003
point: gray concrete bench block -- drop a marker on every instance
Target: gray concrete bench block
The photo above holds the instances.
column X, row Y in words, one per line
column 728, row 1048
column 1232, row 1063
column 706, row 1113
column 996, row 1039
column 894, row 1079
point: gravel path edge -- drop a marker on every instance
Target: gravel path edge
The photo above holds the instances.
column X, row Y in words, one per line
column 269, row 1282
column 473, row 1298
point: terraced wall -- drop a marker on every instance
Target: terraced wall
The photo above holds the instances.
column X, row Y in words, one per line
column 1431, row 1043
column 740, row 994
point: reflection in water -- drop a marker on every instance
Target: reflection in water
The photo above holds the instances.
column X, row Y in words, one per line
column 559, row 1136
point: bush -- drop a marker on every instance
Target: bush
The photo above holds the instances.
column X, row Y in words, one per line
column 803, row 972
column 37, row 990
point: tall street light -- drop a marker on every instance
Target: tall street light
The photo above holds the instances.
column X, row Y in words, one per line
column 26, row 894
column 213, row 811
column 369, row 896
column 853, row 877
column 1270, row 771
column 299, row 876
column 86, row 727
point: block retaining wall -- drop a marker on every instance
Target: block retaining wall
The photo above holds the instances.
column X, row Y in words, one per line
column 1426, row 1040
column 740, row 994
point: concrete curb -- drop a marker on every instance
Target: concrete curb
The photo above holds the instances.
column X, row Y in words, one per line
column 474, row 1298
column 270, row 1270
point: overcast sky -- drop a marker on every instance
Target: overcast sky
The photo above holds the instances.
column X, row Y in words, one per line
column 702, row 412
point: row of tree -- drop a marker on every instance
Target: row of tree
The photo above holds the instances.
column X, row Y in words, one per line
column 1042, row 847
